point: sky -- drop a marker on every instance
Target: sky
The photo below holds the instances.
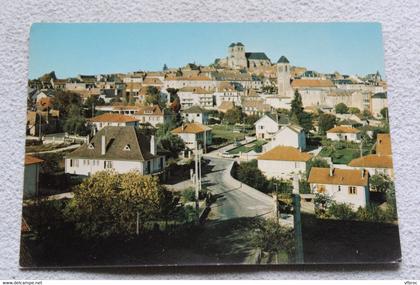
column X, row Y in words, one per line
column 72, row 49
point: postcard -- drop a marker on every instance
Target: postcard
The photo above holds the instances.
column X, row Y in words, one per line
column 207, row 144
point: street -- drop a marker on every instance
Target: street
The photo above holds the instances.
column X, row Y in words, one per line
column 232, row 201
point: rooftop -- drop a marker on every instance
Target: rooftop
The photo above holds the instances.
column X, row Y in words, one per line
column 191, row 128
column 112, row 117
column 285, row 153
column 312, row 83
column 343, row 129
column 29, row 159
column 372, row 161
column 339, row 176
column 383, row 144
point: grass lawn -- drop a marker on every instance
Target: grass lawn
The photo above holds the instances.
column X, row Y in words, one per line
column 341, row 156
column 247, row 147
column 226, row 132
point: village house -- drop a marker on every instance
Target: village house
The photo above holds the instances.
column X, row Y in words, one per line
column 227, row 92
column 197, row 81
column 122, row 149
column 153, row 115
column 195, row 114
column 342, row 133
column 190, row 96
column 287, row 135
column 380, row 162
column 341, row 185
column 112, row 119
column 283, row 162
column 194, row 134
column 31, row 176
column 255, row 107
column 378, row 102
column 266, row 127
column 226, row 106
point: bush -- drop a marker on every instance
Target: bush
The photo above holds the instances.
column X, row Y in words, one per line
column 341, row 211
column 371, row 213
column 188, row 195
column 304, row 187
column 341, row 108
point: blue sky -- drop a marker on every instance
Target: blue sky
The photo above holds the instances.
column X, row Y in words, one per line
column 71, row 49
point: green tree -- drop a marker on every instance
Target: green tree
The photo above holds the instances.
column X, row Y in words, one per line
column 306, row 121
column 108, row 204
column 75, row 123
column 251, row 119
column 354, row 110
column 326, row 122
column 165, row 67
column 64, row 100
column 153, row 97
column 168, row 141
column 296, row 105
column 384, row 112
column 234, row 116
column 341, row 108
column 249, row 174
column 380, row 183
column 341, row 211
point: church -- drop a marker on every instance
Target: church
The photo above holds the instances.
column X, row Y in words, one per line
column 238, row 58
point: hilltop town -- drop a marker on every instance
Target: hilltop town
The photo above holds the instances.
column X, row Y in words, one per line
column 272, row 131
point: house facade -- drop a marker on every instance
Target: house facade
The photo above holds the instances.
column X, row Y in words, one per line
column 111, row 119
column 289, row 135
column 195, row 114
column 342, row 133
column 283, row 162
column 153, row 115
column 194, row 134
column 266, row 127
column 350, row 186
column 121, row 149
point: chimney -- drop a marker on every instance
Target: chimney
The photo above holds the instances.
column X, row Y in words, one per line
column 331, row 171
column 103, row 145
column 363, row 173
column 153, row 146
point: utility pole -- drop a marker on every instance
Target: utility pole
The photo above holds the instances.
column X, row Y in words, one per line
column 138, row 223
column 197, row 189
column 297, row 221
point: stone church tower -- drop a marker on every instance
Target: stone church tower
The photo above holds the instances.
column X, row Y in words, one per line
column 236, row 56
column 283, row 78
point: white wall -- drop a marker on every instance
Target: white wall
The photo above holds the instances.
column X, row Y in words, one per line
column 287, row 137
column 265, row 128
column 342, row 137
column 340, row 194
column 281, row 169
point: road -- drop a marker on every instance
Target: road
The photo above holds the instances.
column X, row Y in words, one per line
column 232, row 201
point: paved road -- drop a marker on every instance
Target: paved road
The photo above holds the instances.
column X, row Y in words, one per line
column 232, row 202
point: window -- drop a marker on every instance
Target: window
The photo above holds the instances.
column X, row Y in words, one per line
column 127, row 147
column 339, row 188
column 71, row 162
column 148, row 167
column 107, row 164
column 352, row 190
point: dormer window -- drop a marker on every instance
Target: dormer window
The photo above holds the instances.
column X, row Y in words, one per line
column 91, row 146
column 127, row 147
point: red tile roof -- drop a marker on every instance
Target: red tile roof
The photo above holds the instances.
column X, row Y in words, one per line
column 29, row 159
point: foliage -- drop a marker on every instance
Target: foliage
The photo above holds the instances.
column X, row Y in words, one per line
column 326, row 122
column 380, row 183
column 165, row 67
column 298, row 116
column 384, row 112
column 271, row 237
column 371, row 213
column 248, row 173
column 296, row 104
column 341, row 108
column 188, row 194
column 341, row 211
column 354, row 110
column 90, row 103
column 75, row 122
column 251, row 119
column 168, row 141
column 366, row 114
column 153, row 97
column 234, row 116
column 322, row 202
column 64, row 102
column 304, row 187
column 107, row 204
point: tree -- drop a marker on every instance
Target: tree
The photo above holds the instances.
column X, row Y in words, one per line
column 354, row 110
column 108, row 204
column 251, row 119
column 317, row 162
column 249, row 174
column 380, row 183
column 341, row 108
column 75, row 123
column 176, row 105
column 384, row 113
column 306, row 121
column 296, row 105
column 165, row 67
column 168, row 141
column 64, row 100
column 153, row 97
column 341, row 211
column 234, row 116
column 326, row 122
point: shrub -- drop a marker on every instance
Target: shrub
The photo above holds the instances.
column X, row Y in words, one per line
column 304, row 187
column 341, row 211
column 371, row 213
column 188, row 195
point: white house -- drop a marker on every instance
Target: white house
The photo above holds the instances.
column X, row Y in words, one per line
column 31, row 176
column 283, row 162
column 342, row 133
column 349, row 186
column 153, row 115
column 195, row 114
column 190, row 96
column 193, row 134
column 266, row 127
column 289, row 135
column 122, row 149
column 112, row 119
